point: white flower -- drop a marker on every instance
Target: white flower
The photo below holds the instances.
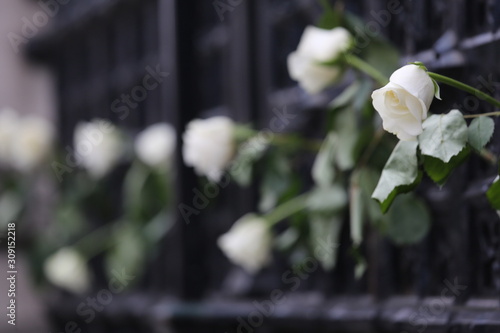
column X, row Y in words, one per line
column 248, row 243
column 209, row 146
column 318, row 46
column 32, row 143
column 24, row 141
column 155, row 145
column 67, row 269
column 404, row 102
column 98, row 145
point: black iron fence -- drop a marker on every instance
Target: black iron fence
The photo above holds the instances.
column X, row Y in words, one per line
column 233, row 61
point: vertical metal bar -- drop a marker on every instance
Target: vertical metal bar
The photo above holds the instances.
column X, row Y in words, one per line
column 185, row 243
column 239, row 90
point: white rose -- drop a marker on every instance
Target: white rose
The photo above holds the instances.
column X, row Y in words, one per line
column 99, row 146
column 155, row 145
column 67, row 269
column 8, row 124
column 209, row 146
column 248, row 243
column 404, row 102
column 318, row 46
column 32, row 143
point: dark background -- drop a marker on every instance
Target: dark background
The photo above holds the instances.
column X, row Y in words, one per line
column 237, row 66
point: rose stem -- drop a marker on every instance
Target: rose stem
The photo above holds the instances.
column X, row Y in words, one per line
column 366, row 68
column 284, row 140
column 488, row 156
column 98, row 236
column 367, row 154
column 286, row 209
column 244, row 133
column 493, row 114
column 464, row 87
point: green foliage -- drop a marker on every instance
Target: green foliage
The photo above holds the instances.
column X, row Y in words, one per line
column 480, row 132
column 146, row 192
column 381, row 55
column 331, row 18
column 400, row 174
column 156, row 228
column 128, row 252
column 363, row 95
column 367, row 179
column 360, row 260
column 324, row 238
column 248, row 154
column 70, row 223
column 287, row 239
column 409, row 220
column 323, row 171
column 444, row 136
column 346, row 96
column 439, row 171
column 356, row 213
column 327, row 199
column 437, row 90
column 346, row 128
column 493, row 194
column 276, row 181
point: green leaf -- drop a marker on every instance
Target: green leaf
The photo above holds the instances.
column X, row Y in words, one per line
column 249, row 152
column 330, row 18
column 409, row 220
column 133, row 185
column 439, row 171
column 360, row 269
column 158, row 227
column 346, row 96
column 493, row 194
column 364, row 93
column 327, row 199
column 356, row 214
column 368, row 179
column 437, row 89
column 382, row 55
column 360, row 260
column 347, row 132
column 400, row 174
column 323, row 171
column 324, row 237
column 480, row 132
column 419, row 64
column 444, row 136
column 128, row 253
column 70, row 222
column 276, row 180
column 287, row 239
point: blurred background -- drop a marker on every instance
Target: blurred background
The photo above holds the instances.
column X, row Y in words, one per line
column 139, row 63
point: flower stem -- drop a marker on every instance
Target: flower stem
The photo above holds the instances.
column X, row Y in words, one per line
column 244, row 133
column 294, row 141
column 96, row 241
column 464, row 87
column 366, row 68
column 286, row 209
column 379, row 134
column 488, row 156
column 491, row 114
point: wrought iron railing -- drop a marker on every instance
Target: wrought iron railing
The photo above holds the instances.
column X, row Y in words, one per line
column 237, row 66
